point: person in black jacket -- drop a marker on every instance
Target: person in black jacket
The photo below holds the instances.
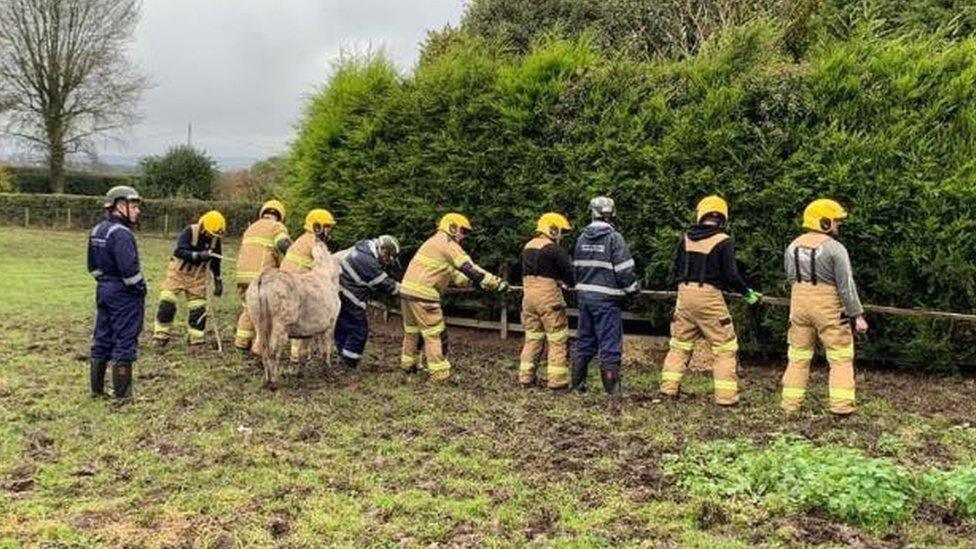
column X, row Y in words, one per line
column 545, row 264
column 705, row 267
column 198, row 250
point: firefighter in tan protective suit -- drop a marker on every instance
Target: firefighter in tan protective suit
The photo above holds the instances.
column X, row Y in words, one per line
column 197, row 251
column 263, row 246
column 705, row 267
column 545, row 264
column 823, row 305
column 439, row 263
column 318, row 225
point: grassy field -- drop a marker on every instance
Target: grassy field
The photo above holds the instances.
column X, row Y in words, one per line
column 205, row 457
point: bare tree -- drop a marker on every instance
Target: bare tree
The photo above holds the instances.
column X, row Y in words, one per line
column 65, row 79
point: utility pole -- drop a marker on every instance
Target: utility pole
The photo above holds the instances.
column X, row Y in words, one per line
column 189, row 134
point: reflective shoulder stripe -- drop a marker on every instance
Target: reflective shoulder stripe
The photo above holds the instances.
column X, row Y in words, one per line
column 600, row 289
column 593, row 263
column 622, row 266
column 351, row 271
column 352, row 297
column 134, row 279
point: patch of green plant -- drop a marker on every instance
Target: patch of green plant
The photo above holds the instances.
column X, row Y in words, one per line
column 954, row 489
column 792, row 475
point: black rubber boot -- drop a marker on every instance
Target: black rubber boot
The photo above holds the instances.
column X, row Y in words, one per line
column 610, row 375
column 122, row 379
column 96, row 376
column 350, row 363
column 580, row 370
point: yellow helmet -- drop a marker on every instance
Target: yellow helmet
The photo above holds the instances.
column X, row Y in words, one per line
column 453, row 222
column 273, row 206
column 320, row 217
column 213, row 222
column 712, row 204
column 820, row 214
column 550, row 221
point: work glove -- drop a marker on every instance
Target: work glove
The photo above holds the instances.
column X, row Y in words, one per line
column 752, row 297
column 503, row 287
column 218, row 287
column 491, row 283
column 201, row 257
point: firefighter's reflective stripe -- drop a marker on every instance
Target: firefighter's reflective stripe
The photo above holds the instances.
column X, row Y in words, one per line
column 834, row 355
column 728, row 347
column 433, row 331
column 794, row 392
column 722, row 384
column 680, row 345
column 535, row 336
column 559, row 335
column 260, row 241
column 799, row 354
column 300, row 261
column 421, row 290
column 671, row 376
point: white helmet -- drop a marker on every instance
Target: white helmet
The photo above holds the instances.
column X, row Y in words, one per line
column 387, row 247
column 602, row 207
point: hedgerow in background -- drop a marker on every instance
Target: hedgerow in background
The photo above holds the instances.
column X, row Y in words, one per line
column 6, row 180
column 886, row 125
column 38, row 180
column 51, row 210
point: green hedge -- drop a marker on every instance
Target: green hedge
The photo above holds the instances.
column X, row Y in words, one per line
column 82, row 212
column 38, row 180
column 887, row 126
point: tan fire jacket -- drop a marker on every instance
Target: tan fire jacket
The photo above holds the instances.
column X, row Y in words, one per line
column 259, row 248
column 435, row 267
column 299, row 257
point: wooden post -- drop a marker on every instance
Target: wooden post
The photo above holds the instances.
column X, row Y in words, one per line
column 503, row 273
column 165, row 224
column 26, row 217
column 69, row 218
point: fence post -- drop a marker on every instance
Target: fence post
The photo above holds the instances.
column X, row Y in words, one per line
column 503, row 273
column 166, row 224
column 26, row 217
column 69, row 217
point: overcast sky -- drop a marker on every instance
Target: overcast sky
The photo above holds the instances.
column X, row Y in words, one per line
column 240, row 70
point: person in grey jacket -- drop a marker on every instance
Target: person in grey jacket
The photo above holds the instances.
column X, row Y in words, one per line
column 605, row 276
column 823, row 306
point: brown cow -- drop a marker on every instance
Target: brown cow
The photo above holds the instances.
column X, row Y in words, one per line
column 294, row 305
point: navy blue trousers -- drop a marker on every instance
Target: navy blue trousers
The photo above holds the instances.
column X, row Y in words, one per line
column 118, row 322
column 352, row 330
column 600, row 331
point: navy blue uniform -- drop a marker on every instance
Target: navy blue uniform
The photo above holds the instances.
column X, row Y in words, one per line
column 362, row 274
column 605, row 275
column 120, row 296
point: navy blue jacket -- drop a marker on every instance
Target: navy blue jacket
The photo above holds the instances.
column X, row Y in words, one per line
column 362, row 272
column 113, row 255
column 605, row 270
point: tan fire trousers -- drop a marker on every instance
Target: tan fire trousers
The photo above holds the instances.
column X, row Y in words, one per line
column 244, row 336
column 701, row 313
column 424, row 320
column 545, row 324
column 816, row 313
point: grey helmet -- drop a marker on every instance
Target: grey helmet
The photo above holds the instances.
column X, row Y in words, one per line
column 121, row 192
column 388, row 246
column 602, row 207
